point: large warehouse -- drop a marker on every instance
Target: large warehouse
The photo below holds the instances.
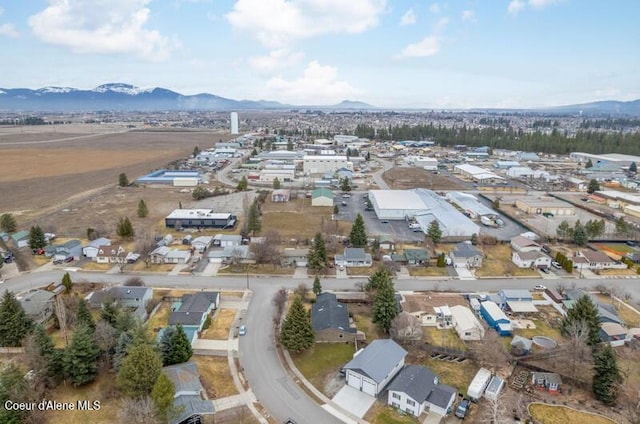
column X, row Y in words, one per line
column 319, row 164
column 425, row 206
column 199, row 218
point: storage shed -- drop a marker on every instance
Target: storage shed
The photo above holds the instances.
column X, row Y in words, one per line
column 496, row 318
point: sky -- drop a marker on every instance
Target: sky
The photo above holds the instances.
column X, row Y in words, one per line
column 388, row 53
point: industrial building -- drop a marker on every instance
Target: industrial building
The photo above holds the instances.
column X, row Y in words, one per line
column 199, row 218
column 477, row 174
column 470, row 205
column 283, row 175
column 319, row 164
column 175, row 178
column 545, row 205
column 234, row 122
column 617, row 159
column 425, row 206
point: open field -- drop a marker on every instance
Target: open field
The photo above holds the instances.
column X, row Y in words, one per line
column 322, row 361
column 553, row 414
column 403, row 178
column 497, row 262
column 215, row 376
column 220, row 325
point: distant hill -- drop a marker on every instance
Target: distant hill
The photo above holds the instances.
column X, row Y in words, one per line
column 126, row 97
column 603, row 107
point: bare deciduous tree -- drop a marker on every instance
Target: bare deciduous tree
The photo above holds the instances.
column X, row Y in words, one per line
column 106, row 339
column 268, row 250
column 140, row 411
column 577, row 354
column 279, row 300
column 406, row 328
column 145, row 244
column 134, row 282
column 495, row 411
column 490, row 351
column 302, row 290
column 61, row 314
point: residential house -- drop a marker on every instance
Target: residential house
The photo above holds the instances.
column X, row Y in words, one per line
column 373, row 367
column 202, row 243
column 595, row 260
column 354, row 257
column 613, row 333
column 416, row 389
column 38, row 305
column 91, row 249
column 109, row 254
column 606, row 312
column 322, row 197
column 190, row 399
column 466, row 323
column 296, row 257
column 21, row 238
column 524, row 244
column 176, row 256
column 135, row 298
column 416, row 256
column 224, row 240
column 547, row 381
column 281, row 195
column 466, row 255
column 386, row 243
column 534, row 259
column 518, row 300
column 71, row 248
column 231, row 254
column 192, row 311
column 496, row 318
column 159, row 254
column 330, row 320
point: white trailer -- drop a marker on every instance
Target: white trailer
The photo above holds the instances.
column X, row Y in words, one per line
column 479, row 384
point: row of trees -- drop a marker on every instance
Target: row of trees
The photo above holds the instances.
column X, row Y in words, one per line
column 580, row 234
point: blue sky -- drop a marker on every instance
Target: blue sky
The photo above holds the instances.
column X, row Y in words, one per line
column 389, row 53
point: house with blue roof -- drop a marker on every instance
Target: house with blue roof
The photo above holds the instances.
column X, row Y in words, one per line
column 496, row 318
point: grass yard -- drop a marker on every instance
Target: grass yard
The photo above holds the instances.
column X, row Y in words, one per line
column 94, row 266
column 364, row 324
column 617, row 248
column 553, row 414
column 220, row 325
column 542, row 329
column 384, row 414
column 444, row 338
column 624, row 271
column 257, row 269
column 368, row 271
column 322, row 360
column 630, row 317
column 158, row 320
column 101, row 389
column 458, row 375
column 432, row 271
column 497, row 262
column 215, row 375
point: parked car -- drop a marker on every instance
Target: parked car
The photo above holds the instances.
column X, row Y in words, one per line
column 38, row 251
column 343, row 203
column 539, row 287
column 243, row 330
column 69, row 259
column 546, row 249
column 57, row 261
column 463, row 408
column 545, row 270
column 346, row 196
column 556, row 265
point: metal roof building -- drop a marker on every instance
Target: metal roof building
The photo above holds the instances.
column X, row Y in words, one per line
column 470, row 204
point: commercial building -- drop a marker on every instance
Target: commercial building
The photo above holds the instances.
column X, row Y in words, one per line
column 234, row 123
column 477, row 174
column 543, row 205
column 470, row 205
column 322, row 197
column 199, row 218
column 319, row 164
column 175, row 178
column 617, row 159
column 283, row 175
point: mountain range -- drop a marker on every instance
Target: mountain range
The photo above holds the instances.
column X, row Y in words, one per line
column 126, row 97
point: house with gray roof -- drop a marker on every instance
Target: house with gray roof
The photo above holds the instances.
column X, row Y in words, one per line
column 373, row 367
column 38, row 305
column 416, row 389
column 606, row 313
column 190, row 398
column 133, row 297
column 71, row 248
column 192, row 310
column 354, row 257
column 416, row 256
column 91, row 249
column 330, row 320
column 224, row 240
column 466, row 255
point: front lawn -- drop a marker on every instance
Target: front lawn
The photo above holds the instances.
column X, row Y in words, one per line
column 220, row 325
column 215, row 375
column 431, row 271
column 384, row 414
column 497, row 262
column 323, row 360
column 443, row 338
column 555, row 414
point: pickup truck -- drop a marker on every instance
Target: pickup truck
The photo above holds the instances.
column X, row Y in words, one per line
column 463, row 407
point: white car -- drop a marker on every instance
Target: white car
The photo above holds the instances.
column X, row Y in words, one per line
column 539, row 287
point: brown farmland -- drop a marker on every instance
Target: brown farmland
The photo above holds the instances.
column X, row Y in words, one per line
column 404, row 178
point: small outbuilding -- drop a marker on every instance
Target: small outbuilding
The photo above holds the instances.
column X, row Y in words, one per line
column 322, row 197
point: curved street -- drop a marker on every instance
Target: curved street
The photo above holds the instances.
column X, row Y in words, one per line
column 269, row 380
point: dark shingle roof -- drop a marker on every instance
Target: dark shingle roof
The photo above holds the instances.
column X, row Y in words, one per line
column 327, row 312
column 192, row 308
column 416, row 381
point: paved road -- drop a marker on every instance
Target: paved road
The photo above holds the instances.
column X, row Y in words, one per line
column 271, row 384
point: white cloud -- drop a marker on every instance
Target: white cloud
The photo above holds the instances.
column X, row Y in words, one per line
column 428, row 46
column 318, row 85
column 539, row 4
column 275, row 60
column 9, row 30
column 515, row 6
column 276, row 23
column 409, row 18
column 441, row 24
column 100, row 26
column 469, row 16
column 434, row 8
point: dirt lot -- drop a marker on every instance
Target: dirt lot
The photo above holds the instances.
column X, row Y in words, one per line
column 427, row 301
column 43, row 172
column 403, row 178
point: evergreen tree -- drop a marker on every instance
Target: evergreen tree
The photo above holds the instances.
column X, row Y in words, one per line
column 254, row 152
column 607, row 377
column 594, row 228
column 358, row 235
column 80, row 358
column 175, row 347
column 276, row 183
column 633, row 168
column 434, row 232
column 254, row 224
column 36, row 238
column 589, row 164
column 14, row 388
column 48, row 360
column 199, row 193
column 196, row 151
column 317, row 287
column 496, row 204
column 163, row 393
column 583, row 310
column 125, row 229
column 83, row 316
column 593, row 186
column 243, row 184
column 377, row 279
column 289, row 145
column 442, row 260
column 143, row 211
column 139, row 371
column 67, row 283
column 579, row 234
column 15, row 325
column 123, row 181
column 335, row 209
column 385, row 308
column 345, row 185
column 125, row 340
column 622, row 228
column 109, row 313
column 8, row 223
column 563, row 230
column 317, row 256
column 296, row 334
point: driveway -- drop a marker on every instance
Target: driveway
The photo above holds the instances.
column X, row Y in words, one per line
column 464, row 273
column 433, row 418
column 354, row 401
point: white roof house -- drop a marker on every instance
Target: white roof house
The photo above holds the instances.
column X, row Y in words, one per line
column 466, row 323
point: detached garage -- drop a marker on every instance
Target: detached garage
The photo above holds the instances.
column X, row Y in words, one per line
column 373, row 367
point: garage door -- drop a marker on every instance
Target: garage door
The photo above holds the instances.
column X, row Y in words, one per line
column 369, row 388
column 354, row 381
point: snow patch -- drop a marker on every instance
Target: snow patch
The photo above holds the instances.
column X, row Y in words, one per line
column 56, row 90
column 122, row 88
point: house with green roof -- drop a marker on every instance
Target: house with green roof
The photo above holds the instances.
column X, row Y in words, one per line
column 322, row 197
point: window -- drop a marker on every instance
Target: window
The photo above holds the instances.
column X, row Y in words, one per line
column 411, row 402
column 396, row 396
